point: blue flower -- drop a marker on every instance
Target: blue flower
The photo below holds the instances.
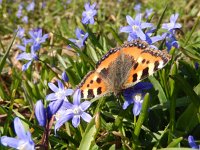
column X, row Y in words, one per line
column 148, row 12
column 27, row 56
column 23, row 46
column 192, row 143
column 196, row 65
column 136, row 95
column 170, row 41
column 152, row 39
column 23, row 140
column 37, row 38
column 53, row 107
column 60, row 93
column 172, row 25
column 30, row 6
column 20, row 32
column 40, row 113
column 73, row 111
column 25, row 19
column 81, row 37
column 89, row 13
column 65, row 77
column 137, row 7
column 19, row 12
column 135, row 28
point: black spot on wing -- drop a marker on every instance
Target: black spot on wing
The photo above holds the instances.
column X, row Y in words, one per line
column 135, row 66
column 143, row 61
column 98, row 80
column 156, row 64
column 135, row 77
column 90, row 93
column 99, row 91
column 145, row 73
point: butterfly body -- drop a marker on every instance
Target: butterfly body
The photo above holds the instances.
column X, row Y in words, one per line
column 121, row 68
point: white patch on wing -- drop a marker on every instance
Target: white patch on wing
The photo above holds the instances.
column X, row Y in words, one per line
column 160, row 64
column 151, row 68
column 139, row 60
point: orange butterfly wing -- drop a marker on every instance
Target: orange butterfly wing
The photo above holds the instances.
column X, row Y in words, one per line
column 147, row 61
column 93, row 85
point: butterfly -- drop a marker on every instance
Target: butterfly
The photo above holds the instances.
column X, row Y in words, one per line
column 121, row 68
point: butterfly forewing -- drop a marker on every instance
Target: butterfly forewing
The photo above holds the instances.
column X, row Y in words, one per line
column 148, row 61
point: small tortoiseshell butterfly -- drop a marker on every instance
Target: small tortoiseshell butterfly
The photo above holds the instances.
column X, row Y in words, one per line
column 121, row 68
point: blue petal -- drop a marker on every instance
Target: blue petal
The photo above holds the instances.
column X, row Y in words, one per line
column 143, row 86
column 51, row 97
column 65, row 77
column 60, row 85
column 85, row 20
column 177, row 25
column 53, row 87
column 53, row 107
column 192, row 142
column 126, row 29
column 146, row 25
column 84, row 106
column 77, row 97
column 68, row 105
column 137, row 108
column 8, row 141
column 91, row 20
column 174, row 17
column 127, row 103
column 26, row 56
column 138, row 19
column 23, row 48
column 76, row 121
column 87, row 6
column 61, row 121
column 69, row 92
column 40, row 113
column 165, row 26
column 78, row 33
column 26, row 66
column 141, row 34
column 19, row 128
column 86, row 117
column 130, row 20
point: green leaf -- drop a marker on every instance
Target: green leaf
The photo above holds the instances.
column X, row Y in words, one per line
column 3, row 60
column 175, row 142
column 188, row 120
column 161, row 94
column 90, row 134
column 187, row 89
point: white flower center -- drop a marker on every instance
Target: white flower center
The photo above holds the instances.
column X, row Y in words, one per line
column 25, row 145
column 37, row 39
column 89, row 13
column 78, row 42
column 77, row 110
column 59, row 114
column 134, row 27
column 60, row 93
column 138, row 97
